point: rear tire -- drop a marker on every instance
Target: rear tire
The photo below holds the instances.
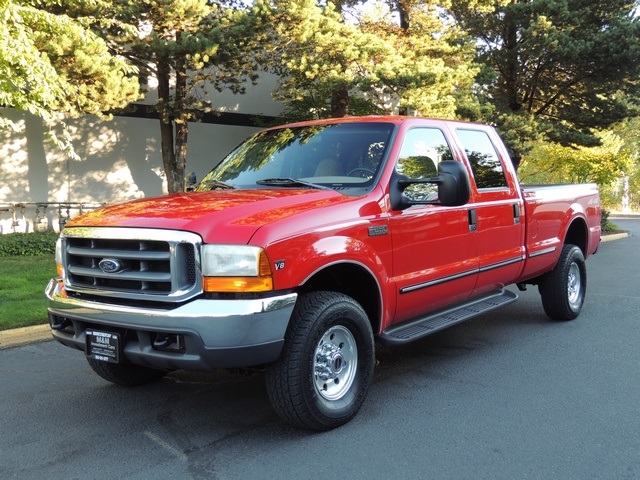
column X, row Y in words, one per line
column 324, row 372
column 125, row 374
column 563, row 288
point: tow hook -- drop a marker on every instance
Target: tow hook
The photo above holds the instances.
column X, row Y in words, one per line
column 169, row 342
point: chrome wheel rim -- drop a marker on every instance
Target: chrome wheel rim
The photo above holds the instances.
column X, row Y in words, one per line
column 335, row 363
column 574, row 285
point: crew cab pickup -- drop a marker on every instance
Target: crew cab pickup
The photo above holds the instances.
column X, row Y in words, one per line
column 307, row 244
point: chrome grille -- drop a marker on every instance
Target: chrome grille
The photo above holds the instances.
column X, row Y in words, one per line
column 132, row 263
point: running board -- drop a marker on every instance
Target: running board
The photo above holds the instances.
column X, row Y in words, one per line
column 421, row 327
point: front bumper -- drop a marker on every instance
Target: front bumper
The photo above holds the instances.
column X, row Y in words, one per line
column 215, row 333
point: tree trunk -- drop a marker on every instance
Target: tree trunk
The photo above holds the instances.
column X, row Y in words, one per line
column 405, row 20
column 182, row 125
column 340, row 101
column 403, row 12
column 166, row 123
column 510, row 76
column 340, row 92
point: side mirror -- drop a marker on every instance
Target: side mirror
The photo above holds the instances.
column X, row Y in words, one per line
column 454, row 188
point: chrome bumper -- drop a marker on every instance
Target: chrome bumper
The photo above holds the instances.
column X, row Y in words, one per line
column 215, row 333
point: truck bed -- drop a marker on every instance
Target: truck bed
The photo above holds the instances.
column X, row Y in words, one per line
column 546, row 207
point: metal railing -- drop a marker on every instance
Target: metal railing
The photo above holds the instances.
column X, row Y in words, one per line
column 26, row 217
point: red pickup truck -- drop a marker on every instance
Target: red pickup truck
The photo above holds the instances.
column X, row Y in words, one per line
column 308, row 243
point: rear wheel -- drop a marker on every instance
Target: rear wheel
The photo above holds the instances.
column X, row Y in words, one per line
column 324, row 372
column 125, row 374
column 563, row 288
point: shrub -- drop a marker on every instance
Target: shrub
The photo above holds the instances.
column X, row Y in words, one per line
column 23, row 244
column 606, row 225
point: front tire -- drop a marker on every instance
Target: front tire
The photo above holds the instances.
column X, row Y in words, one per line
column 125, row 374
column 324, row 372
column 563, row 288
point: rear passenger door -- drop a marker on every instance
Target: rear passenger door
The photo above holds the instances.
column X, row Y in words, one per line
column 495, row 210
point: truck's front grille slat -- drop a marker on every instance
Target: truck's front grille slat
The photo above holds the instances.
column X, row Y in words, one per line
column 137, row 254
column 111, row 262
column 123, row 275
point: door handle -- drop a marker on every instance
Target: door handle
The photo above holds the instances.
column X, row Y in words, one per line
column 473, row 220
column 516, row 213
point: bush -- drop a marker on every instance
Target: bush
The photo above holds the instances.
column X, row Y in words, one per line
column 28, row 244
column 606, row 225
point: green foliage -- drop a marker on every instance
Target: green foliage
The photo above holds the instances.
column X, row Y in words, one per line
column 93, row 56
column 614, row 165
column 606, row 225
column 330, row 66
column 53, row 63
column 553, row 163
column 22, row 299
column 552, row 75
column 563, row 69
column 625, row 193
column 188, row 46
column 28, row 244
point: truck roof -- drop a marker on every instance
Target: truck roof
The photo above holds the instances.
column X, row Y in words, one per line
column 397, row 119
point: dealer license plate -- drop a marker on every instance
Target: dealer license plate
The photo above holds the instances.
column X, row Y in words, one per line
column 103, row 346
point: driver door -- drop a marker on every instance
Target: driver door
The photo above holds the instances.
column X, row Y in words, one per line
column 434, row 252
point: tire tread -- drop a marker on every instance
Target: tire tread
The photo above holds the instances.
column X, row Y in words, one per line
column 284, row 378
column 553, row 288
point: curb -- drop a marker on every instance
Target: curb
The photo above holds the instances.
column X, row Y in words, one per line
column 614, row 236
column 42, row 333
column 24, row 336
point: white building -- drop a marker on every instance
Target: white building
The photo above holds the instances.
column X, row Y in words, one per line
column 120, row 159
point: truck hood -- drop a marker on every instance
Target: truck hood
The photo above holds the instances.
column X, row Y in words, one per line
column 218, row 216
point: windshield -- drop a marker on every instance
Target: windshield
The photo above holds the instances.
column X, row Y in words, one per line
column 317, row 156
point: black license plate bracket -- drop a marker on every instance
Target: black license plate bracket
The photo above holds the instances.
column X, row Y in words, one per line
column 103, row 346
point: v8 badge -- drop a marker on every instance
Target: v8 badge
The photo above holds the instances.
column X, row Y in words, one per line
column 279, row 264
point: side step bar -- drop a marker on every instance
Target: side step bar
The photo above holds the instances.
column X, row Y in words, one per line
column 421, row 327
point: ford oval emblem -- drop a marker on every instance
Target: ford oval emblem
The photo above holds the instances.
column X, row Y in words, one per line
column 110, row 265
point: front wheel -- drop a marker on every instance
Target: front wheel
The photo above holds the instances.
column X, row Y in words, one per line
column 563, row 288
column 324, row 372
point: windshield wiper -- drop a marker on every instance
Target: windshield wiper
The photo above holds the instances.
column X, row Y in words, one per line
column 213, row 184
column 290, row 182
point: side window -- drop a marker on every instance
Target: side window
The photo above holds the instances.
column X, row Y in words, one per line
column 485, row 163
column 422, row 150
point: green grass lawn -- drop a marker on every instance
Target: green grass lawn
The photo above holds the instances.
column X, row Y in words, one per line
column 22, row 300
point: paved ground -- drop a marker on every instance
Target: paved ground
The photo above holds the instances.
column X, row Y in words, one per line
column 510, row 395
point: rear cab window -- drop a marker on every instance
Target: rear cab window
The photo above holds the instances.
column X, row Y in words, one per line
column 487, row 168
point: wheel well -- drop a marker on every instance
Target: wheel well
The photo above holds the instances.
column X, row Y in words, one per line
column 577, row 235
column 352, row 280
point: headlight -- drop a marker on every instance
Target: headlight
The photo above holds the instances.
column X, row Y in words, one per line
column 235, row 268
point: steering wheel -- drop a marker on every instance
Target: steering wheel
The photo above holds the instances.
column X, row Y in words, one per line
column 365, row 170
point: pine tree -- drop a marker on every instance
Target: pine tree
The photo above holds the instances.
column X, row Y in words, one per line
column 555, row 70
column 335, row 61
column 187, row 46
column 53, row 64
